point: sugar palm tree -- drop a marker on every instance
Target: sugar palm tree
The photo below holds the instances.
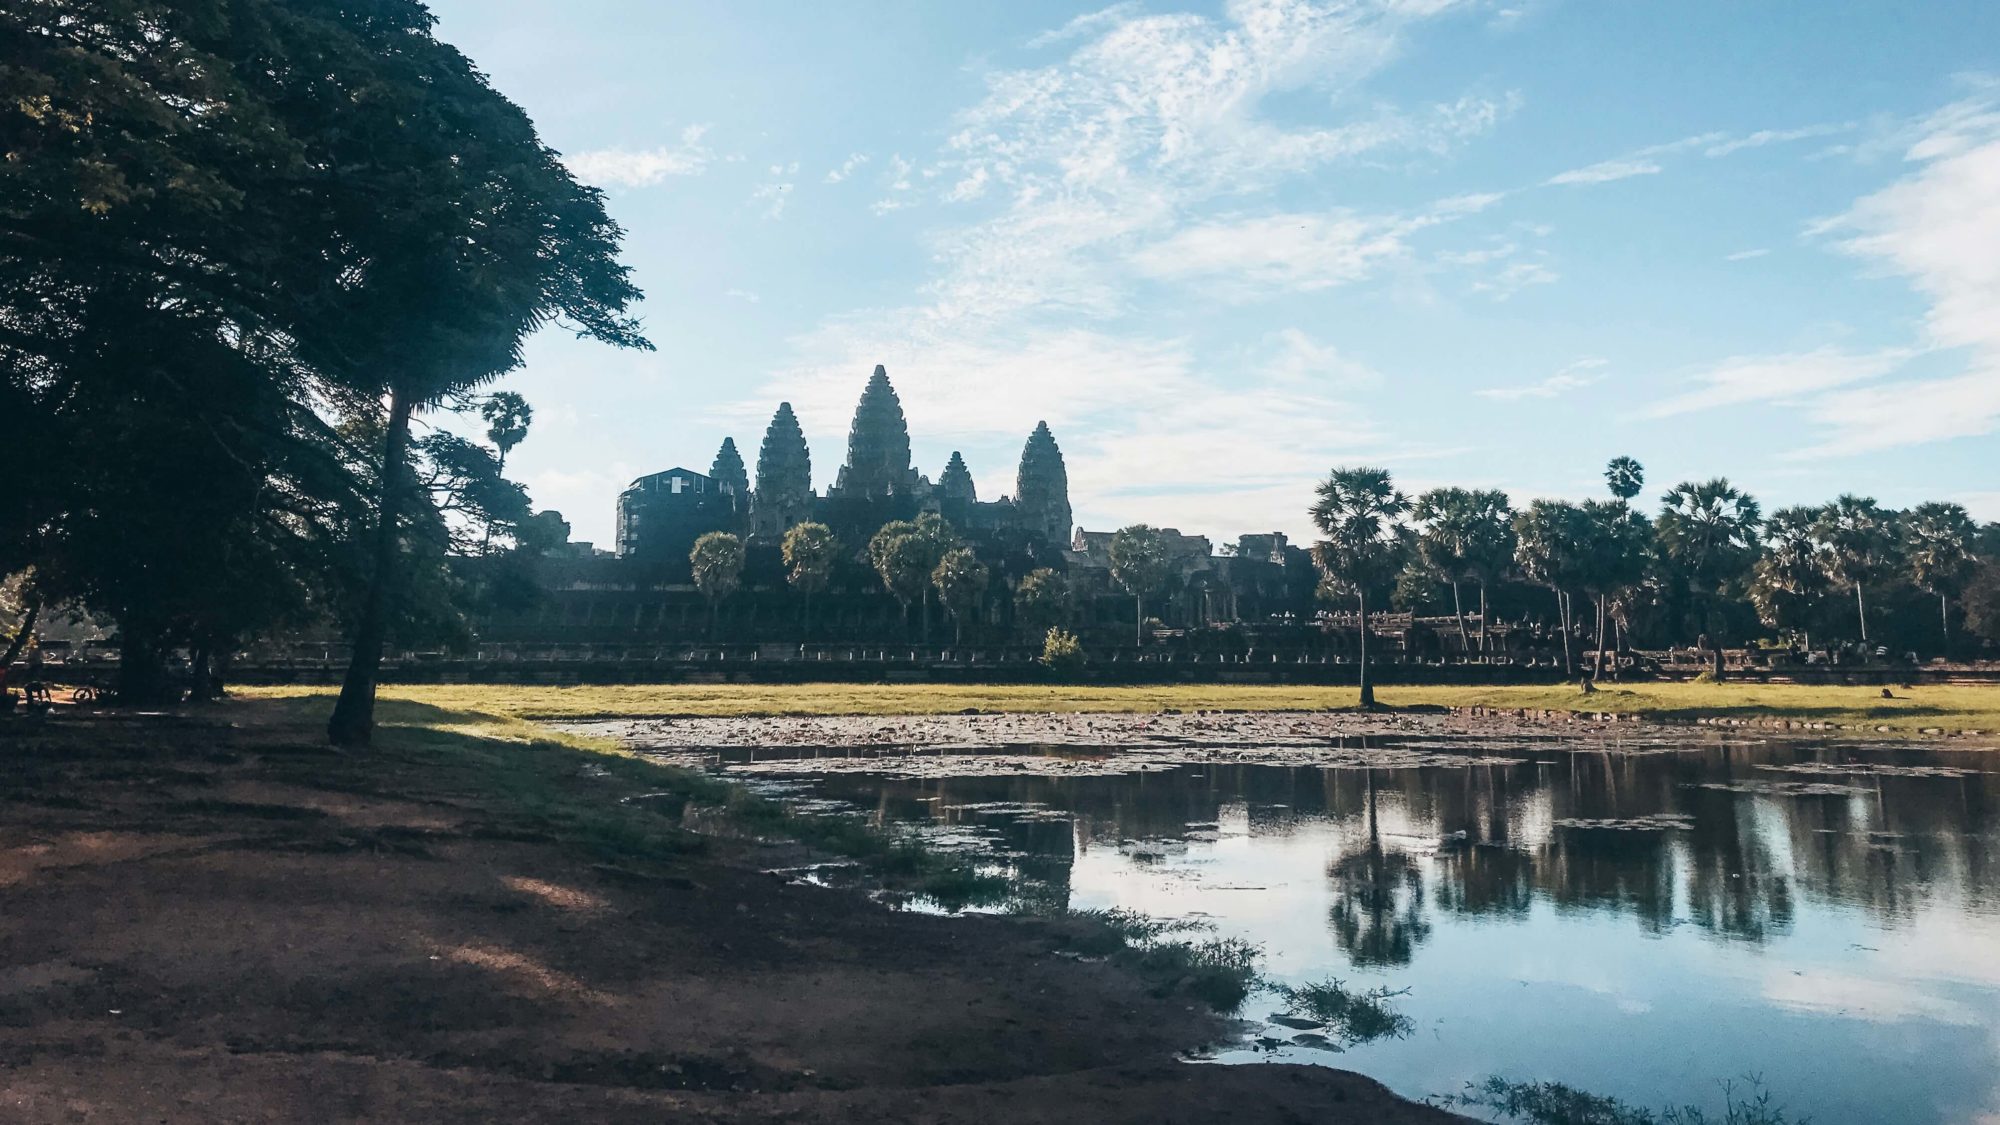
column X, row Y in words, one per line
column 1552, row 545
column 1937, row 549
column 961, row 581
column 717, row 563
column 1041, row 601
column 1707, row 533
column 1139, row 562
column 1625, row 476
column 1465, row 535
column 1360, row 514
column 1617, row 546
column 810, row 551
column 1789, row 581
column 1860, row 547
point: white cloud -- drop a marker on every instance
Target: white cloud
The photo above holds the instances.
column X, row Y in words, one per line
column 743, row 295
column 1084, row 24
column 1573, row 377
column 1606, row 171
column 1780, row 378
column 1745, row 255
column 1939, row 227
column 847, row 167
column 643, row 168
column 1516, row 277
column 773, row 196
column 1088, row 181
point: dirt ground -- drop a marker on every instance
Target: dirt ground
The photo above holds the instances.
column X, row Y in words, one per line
column 212, row 917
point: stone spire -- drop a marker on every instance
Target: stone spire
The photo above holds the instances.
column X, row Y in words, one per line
column 730, row 479
column 784, row 475
column 1041, row 490
column 878, row 447
column 955, row 485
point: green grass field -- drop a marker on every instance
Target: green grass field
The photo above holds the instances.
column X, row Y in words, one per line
column 1949, row 708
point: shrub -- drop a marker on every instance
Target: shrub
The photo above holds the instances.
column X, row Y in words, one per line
column 1062, row 653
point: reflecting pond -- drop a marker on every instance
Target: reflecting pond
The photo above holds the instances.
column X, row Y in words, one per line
column 1640, row 920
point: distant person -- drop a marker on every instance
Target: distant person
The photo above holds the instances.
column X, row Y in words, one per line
column 32, row 685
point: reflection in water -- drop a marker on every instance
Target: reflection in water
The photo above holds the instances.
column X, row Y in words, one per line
column 1636, row 921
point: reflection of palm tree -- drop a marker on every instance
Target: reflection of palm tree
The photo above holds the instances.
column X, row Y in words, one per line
column 1378, row 900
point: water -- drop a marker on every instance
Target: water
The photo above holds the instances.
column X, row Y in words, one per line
column 1639, row 920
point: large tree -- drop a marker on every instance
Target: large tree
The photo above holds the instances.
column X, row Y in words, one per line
column 810, row 551
column 1140, row 563
column 1616, row 550
column 1553, row 549
column 1466, row 535
column 1859, row 541
column 961, row 581
column 1789, row 582
column 1707, row 537
column 717, row 565
column 1937, row 545
column 904, row 553
column 1041, row 602
column 1363, row 541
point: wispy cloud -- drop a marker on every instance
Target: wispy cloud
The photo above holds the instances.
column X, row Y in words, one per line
column 1606, row 171
column 1777, row 378
column 1745, row 255
column 645, row 167
column 1576, row 376
column 847, row 167
column 1649, row 161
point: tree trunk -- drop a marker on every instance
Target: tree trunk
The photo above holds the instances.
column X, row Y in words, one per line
column 1367, row 685
column 1944, row 624
column 1597, row 673
column 1482, row 618
column 21, row 636
column 141, row 676
column 1861, row 611
column 1458, row 611
column 353, row 721
column 1562, row 622
column 1138, row 621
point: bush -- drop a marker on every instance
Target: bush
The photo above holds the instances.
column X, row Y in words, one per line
column 1062, row 653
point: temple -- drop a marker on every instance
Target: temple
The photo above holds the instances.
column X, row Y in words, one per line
column 662, row 514
column 641, row 588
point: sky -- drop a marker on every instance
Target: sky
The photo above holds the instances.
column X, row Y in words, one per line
column 1224, row 247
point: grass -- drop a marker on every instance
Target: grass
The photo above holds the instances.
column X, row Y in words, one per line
column 1348, row 1016
column 1554, row 1103
column 1950, row 708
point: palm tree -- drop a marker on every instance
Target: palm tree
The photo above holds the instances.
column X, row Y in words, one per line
column 1789, row 581
column 810, row 551
column 1553, row 540
column 1140, row 564
column 961, row 581
column 1360, row 514
column 507, row 415
column 904, row 554
column 1465, row 535
column 1860, row 544
column 717, row 563
column 1708, row 532
column 1617, row 545
column 1041, row 601
column 1625, row 477
column 1937, row 548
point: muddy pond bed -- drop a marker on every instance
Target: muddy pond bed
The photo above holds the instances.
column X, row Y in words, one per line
column 1640, row 912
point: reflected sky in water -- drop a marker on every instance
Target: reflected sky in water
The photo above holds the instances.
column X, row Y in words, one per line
column 1640, row 924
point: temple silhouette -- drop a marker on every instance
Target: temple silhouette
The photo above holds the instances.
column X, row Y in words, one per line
column 660, row 515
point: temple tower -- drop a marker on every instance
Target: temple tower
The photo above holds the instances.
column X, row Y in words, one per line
column 784, row 494
column 955, row 485
column 1041, row 490
column 878, row 446
column 732, row 483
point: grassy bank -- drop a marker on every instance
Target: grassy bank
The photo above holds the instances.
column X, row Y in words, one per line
column 1948, row 708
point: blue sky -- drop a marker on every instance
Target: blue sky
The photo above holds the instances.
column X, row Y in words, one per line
column 1223, row 247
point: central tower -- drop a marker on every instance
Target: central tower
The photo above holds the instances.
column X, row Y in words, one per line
column 878, row 446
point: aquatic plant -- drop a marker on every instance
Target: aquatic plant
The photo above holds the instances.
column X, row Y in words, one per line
column 1345, row 1016
column 1556, row 1103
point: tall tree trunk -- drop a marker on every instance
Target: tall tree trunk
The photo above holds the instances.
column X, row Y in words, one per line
column 1861, row 611
column 1562, row 621
column 1944, row 624
column 1367, row 685
column 21, row 636
column 1597, row 673
column 353, row 721
column 1482, row 617
column 141, row 674
column 1458, row 611
column 1138, row 621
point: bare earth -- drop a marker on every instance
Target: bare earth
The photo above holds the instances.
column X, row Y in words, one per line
column 216, row 919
